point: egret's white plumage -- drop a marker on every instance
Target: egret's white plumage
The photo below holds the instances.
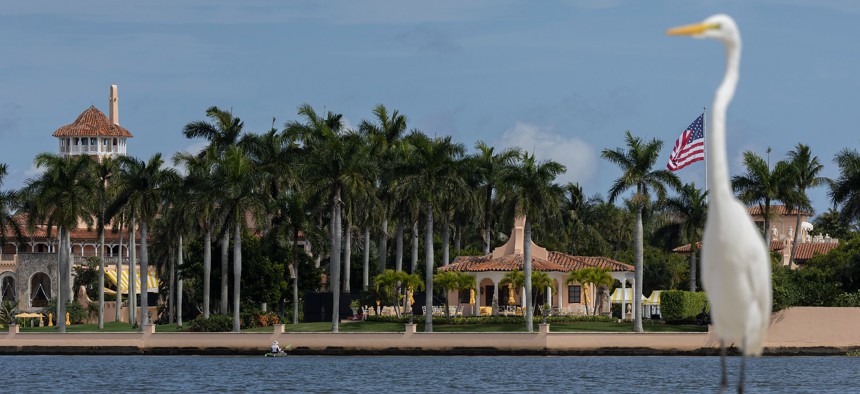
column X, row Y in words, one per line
column 735, row 263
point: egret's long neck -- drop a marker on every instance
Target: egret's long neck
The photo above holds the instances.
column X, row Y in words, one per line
column 718, row 169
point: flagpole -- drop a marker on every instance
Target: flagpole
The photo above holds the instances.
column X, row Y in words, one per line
column 704, row 128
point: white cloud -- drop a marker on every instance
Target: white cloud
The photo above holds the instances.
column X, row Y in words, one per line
column 578, row 156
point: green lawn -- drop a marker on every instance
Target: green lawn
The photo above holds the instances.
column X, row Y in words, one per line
column 372, row 326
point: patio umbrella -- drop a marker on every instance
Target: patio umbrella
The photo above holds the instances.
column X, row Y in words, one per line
column 511, row 300
column 471, row 296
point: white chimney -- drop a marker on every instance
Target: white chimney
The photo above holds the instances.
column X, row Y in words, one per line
column 114, row 105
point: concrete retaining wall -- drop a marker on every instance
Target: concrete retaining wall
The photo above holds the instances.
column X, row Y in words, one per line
column 795, row 331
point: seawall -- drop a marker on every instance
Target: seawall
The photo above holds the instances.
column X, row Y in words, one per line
column 796, row 331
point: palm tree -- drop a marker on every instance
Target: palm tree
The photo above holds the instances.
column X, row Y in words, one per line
column 446, row 281
column 580, row 276
column 202, row 196
column 385, row 138
column 9, row 203
column 540, row 282
column 687, row 213
column 803, row 174
column 104, row 171
column 845, row 190
column 337, row 166
column 239, row 181
column 430, row 171
column 144, row 187
column 531, row 191
column 515, row 280
column 637, row 163
column 761, row 185
column 489, row 168
column 599, row 278
column 226, row 131
column 63, row 195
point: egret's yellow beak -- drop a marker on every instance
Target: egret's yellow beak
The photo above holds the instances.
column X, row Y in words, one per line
column 692, row 30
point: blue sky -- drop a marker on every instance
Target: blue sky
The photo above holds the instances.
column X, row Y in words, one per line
column 564, row 79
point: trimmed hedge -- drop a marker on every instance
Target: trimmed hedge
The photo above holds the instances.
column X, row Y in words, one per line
column 491, row 319
column 215, row 323
column 681, row 307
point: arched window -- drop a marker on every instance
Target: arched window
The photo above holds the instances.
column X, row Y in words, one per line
column 7, row 289
column 40, row 290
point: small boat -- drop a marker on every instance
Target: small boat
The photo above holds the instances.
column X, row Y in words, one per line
column 281, row 354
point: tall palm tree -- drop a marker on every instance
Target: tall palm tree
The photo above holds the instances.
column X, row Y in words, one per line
column 62, row 196
column 9, row 204
column 337, row 166
column 239, row 181
column 489, row 167
column 202, row 197
column 761, row 185
column 687, row 214
column 845, row 190
column 429, row 172
column 803, row 174
column 104, row 171
column 144, row 187
column 637, row 163
column 532, row 193
column 225, row 131
column 385, row 137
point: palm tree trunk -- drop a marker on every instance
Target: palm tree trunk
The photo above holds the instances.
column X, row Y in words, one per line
column 365, row 271
column 383, row 247
column 171, row 290
column 179, row 262
column 637, row 292
column 296, row 275
column 102, row 276
column 207, row 271
column 794, row 241
column 767, row 235
column 487, row 208
column 446, row 241
column 225, row 270
column 527, row 267
column 347, row 255
column 61, row 285
column 119, row 274
column 457, row 239
column 237, row 270
column 132, row 274
column 144, row 274
column 335, row 262
column 693, row 267
column 414, row 264
column 428, row 270
column 398, row 255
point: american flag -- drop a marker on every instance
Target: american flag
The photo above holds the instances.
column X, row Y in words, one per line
column 690, row 146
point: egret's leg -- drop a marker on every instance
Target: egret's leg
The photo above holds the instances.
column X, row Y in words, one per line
column 741, row 372
column 724, row 379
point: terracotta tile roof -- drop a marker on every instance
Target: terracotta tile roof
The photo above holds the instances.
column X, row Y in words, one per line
column 573, row 263
column 774, row 246
column 505, row 263
column 90, row 123
column 40, row 232
column 558, row 262
column 756, row 210
column 806, row 251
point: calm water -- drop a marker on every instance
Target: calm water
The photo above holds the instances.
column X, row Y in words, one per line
column 385, row 375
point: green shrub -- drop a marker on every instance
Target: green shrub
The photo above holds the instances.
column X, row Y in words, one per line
column 848, row 300
column 681, row 307
column 492, row 319
column 215, row 323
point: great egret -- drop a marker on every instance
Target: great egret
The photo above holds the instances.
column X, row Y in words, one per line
column 735, row 263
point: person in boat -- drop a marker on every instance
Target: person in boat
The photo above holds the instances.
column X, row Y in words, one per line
column 275, row 348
